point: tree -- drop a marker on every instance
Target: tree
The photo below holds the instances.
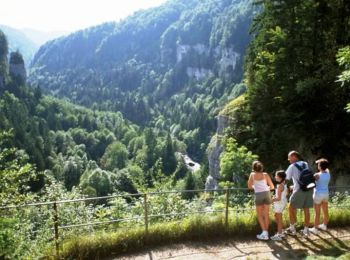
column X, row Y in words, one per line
column 236, row 162
column 15, row 172
column 96, row 179
column 343, row 58
column 3, row 57
column 123, row 182
column 190, row 184
column 115, row 156
column 169, row 158
column 290, row 75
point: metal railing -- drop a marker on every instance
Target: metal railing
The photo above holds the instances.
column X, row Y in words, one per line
column 225, row 193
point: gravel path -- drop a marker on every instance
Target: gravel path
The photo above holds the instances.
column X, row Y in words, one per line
column 332, row 242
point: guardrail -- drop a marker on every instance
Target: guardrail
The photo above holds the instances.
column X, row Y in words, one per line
column 146, row 217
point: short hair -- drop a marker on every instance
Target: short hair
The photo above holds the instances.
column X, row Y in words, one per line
column 282, row 174
column 258, row 166
column 323, row 163
column 294, row 153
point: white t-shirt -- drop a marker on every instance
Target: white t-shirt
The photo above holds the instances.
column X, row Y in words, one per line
column 293, row 173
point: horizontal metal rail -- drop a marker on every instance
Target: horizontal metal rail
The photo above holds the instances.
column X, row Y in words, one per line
column 111, row 197
column 99, row 223
column 33, row 204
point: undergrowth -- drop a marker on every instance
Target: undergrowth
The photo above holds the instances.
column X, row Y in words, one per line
column 196, row 228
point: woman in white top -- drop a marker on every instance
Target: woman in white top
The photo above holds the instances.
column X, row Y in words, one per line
column 261, row 183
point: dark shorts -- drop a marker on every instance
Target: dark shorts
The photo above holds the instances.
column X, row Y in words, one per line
column 263, row 198
column 302, row 199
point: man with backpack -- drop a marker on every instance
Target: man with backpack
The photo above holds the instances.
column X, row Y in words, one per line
column 301, row 197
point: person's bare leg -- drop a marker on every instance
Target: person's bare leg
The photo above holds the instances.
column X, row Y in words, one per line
column 306, row 217
column 325, row 212
column 317, row 214
column 266, row 217
column 279, row 221
column 260, row 215
column 292, row 214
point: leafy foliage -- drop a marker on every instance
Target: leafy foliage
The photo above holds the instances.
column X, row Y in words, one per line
column 293, row 98
column 236, row 162
column 15, row 172
column 343, row 58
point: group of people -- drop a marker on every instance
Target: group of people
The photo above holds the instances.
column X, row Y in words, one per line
column 316, row 196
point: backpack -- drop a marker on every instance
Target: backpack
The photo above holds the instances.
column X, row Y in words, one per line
column 306, row 177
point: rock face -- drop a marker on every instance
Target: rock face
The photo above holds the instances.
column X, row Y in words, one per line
column 228, row 59
column 215, row 149
column 17, row 69
column 198, row 73
column 2, row 81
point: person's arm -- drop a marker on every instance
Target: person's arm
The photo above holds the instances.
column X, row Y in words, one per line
column 250, row 182
column 269, row 181
column 317, row 176
column 289, row 177
column 279, row 194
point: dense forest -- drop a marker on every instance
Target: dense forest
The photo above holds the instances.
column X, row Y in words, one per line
column 100, row 152
column 295, row 99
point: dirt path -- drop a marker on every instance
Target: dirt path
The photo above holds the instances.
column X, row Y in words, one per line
column 332, row 242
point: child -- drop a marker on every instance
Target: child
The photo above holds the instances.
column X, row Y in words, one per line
column 321, row 195
column 279, row 203
column 261, row 183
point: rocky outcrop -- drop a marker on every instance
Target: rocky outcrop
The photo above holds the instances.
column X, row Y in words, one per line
column 2, row 81
column 215, row 149
column 181, row 51
column 228, row 58
column 17, row 69
column 198, row 73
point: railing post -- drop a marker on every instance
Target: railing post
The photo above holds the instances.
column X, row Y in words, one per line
column 227, row 204
column 146, row 212
column 55, row 223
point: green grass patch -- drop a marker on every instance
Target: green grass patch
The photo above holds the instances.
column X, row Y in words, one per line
column 196, row 228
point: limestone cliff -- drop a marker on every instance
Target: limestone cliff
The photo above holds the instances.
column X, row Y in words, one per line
column 17, row 68
column 215, row 149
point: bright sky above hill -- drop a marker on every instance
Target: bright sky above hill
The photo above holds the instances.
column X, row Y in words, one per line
column 67, row 15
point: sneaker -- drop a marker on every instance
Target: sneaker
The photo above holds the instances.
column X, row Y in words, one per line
column 314, row 230
column 262, row 237
column 323, row 227
column 276, row 237
column 290, row 230
column 305, row 232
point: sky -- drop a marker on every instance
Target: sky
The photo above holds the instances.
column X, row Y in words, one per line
column 67, row 15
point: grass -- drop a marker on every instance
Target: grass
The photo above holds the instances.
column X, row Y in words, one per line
column 197, row 228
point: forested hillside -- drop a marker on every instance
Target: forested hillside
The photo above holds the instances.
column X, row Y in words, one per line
column 295, row 98
column 169, row 67
column 18, row 41
column 99, row 152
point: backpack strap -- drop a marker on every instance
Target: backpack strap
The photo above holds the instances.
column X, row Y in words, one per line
column 300, row 168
